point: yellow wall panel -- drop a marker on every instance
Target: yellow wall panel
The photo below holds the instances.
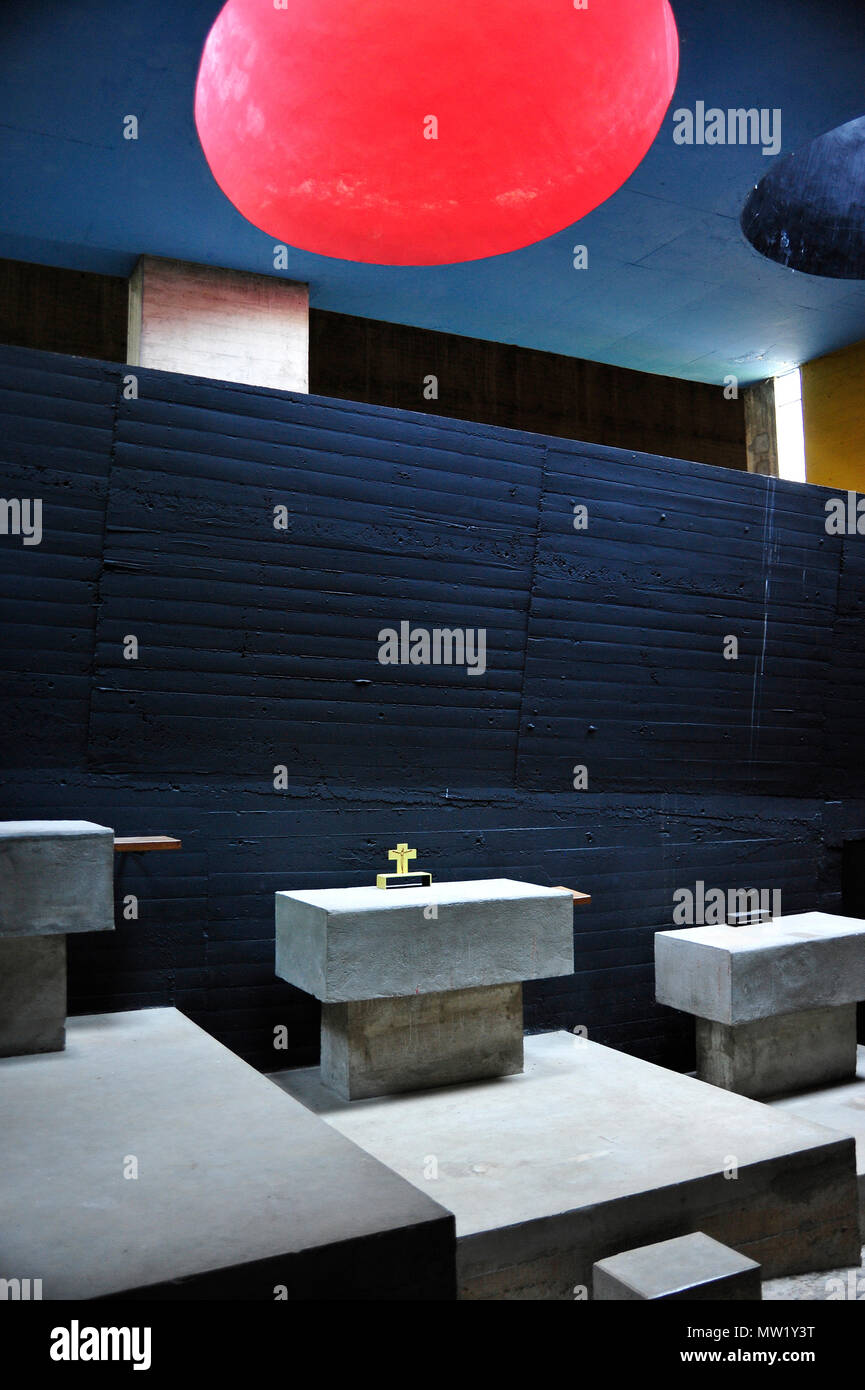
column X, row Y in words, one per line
column 833, row 404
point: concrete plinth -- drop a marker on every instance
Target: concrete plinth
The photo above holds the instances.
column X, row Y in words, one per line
column 692, row 1268
column 148, row 1161
column 770, row 1056
column 32, row 994
column 589, row 1152
column 373, row 1047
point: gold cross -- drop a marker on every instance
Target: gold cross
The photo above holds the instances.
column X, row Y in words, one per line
column 402, row 854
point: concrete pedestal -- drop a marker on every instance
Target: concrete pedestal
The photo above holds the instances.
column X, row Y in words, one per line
column 692, row 1268
column 589, row 1152
column 421, row 986
column 56, row 878
column 775, row 1003
column 375, row 1047
column 771, row 1056
column 32, row 994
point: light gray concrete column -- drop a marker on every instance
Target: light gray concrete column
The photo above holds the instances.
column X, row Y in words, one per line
column 32, row 995
column 227, row 324
column 374, row 1047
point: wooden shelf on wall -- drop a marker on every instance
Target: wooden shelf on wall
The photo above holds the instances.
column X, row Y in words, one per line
column 577, row 897
column 137, row 844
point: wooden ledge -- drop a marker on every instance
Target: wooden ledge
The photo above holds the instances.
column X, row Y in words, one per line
column 577, row 897
column 138, row 843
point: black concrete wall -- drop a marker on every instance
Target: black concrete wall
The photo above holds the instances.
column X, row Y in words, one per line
column 388, row 364
column 257, row 648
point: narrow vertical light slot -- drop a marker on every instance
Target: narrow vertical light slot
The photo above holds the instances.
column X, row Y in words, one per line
column 789, row 426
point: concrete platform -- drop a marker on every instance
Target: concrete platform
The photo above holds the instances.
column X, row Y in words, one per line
column 590, row 1152
column 240, row 1190
column 840, row 1108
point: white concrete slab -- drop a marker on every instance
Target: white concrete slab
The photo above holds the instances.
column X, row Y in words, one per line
column 239, row 1188
column 810, row 960
column 342, row 944
column 590, row 1152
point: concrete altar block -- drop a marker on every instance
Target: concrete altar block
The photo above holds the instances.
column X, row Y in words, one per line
column 375, row 1047
column 775, row 1003
column 736, row 974
column 56, row 877
column 372, row 943
column 693, row 1268
column 422, row 986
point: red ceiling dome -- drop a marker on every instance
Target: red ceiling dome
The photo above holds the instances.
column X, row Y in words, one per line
column 407, row 133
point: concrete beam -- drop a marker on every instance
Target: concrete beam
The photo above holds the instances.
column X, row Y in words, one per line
column 227, row 324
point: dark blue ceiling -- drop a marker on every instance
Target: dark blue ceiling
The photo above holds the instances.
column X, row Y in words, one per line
column 672, row 284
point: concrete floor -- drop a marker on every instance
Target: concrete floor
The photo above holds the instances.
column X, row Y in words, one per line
column 590, row 1151
column 833, row 1285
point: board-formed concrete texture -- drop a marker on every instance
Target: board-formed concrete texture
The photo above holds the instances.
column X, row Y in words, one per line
column 374, row 1047
column 372, row 943
column 230, row 325
column 693, row 1268
column 56, row 876
column 32, row 994
column 810, row 960
column 240, row 1191
column 771, row 1056
column 589, row 1152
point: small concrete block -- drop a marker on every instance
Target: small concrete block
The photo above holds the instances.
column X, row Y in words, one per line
column 32, row 995
column 810, row 960
column 692, row 1268
column 375, row 1047
column 771, row 1056
column 344, row 944
column 56, row 877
